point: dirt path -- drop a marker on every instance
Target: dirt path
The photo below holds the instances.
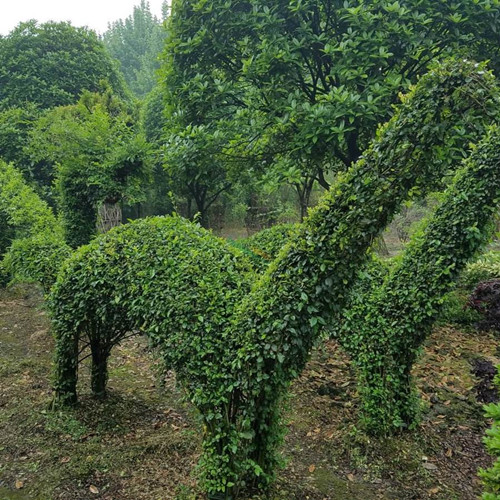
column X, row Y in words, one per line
column 143, row 443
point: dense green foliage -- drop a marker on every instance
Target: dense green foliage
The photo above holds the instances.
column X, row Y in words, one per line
column 263, row 247
column 137, row 42
column 21, row 206
column 31, row 236
column 163, row 276
column 258, row 341
column 194, row 165
column 43, row 66
column 254, row 94
column 51, row 64
column 98, row 157
column 310, row 281
column 491, row 476
column 153, row 121
column 388, row 328
column 302, row 84
column 15, row 124
column 36, row 259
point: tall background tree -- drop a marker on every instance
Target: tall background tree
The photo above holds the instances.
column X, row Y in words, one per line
column 136, row 43
column 51, row 64
column 317, row 76
column 43, row 66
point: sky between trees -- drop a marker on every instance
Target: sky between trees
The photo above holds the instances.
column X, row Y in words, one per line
column 96, row 14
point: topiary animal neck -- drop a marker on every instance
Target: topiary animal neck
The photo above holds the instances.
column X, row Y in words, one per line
column 282, row 318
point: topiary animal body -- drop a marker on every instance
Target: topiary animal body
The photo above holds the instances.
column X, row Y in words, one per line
column 263, row 247
column 386, row 329
column 162, row 276
column 238, row 349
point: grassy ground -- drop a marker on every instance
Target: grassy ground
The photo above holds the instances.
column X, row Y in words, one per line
column 143, row 442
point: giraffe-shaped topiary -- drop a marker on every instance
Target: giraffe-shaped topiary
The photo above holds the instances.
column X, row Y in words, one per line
column 237, row 340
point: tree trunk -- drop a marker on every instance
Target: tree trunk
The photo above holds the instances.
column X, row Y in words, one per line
column 304, row 193
column 380, row 246
column 99, row 373
column 109, row 216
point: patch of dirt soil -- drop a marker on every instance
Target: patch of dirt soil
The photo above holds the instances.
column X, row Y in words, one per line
column 143, row 442
column 485, row 371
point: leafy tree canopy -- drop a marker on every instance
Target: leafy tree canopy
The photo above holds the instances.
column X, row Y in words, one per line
column 136, row 42
column 51, row 64
column 313, row 78
column 15, row 124
column 98, row 157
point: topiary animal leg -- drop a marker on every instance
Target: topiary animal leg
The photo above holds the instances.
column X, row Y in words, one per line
column 99, row 371
column 66, row 369
column 401, row 313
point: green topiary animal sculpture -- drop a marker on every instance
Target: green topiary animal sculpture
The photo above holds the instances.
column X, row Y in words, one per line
column 237, row 342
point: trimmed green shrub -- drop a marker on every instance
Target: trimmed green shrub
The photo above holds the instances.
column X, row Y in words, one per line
column 487, row 267
column 32, row 245
column 4, row 275
column 455, row 307
column 491, row 476
column 166, row 277
column 263, row 247
column 237, row 346
column 309, row 282
column 36, row 259
column 23, row 209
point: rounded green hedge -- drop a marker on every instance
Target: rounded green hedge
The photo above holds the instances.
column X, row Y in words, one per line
column 165, row 277
column 36, row 259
